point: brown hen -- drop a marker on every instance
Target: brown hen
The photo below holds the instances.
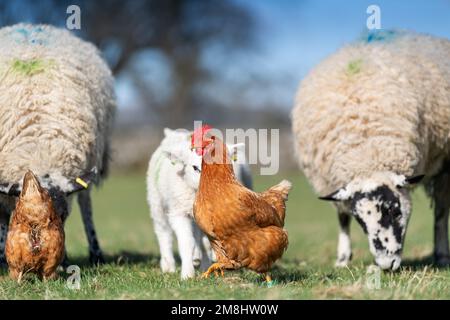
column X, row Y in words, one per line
column 245, row 228
column 35, row 242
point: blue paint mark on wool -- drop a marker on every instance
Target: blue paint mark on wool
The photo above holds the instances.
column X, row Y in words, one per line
column 34, row 36
column 378, row 36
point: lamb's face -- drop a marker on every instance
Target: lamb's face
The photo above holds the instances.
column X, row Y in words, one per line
column 382, row 207
column 192, row 167
column 383, row 214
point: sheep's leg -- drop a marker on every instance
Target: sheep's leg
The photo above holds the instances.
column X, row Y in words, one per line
column 441, row 249
column 183, row 227
column 3, row 234
column 164, row 235
column 95, row 253
column 344, row 249
column 5, row 213
column 441, row 197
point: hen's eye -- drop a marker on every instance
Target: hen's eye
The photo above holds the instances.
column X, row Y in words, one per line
column 196, row 168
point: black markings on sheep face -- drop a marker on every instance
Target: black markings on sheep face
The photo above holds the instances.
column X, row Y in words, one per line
column 384, row 221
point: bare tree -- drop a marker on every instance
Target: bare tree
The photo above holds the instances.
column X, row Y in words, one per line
column 181, row 29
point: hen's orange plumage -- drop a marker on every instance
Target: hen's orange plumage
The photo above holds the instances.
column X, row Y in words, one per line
column 35, row 241
column 245, row 228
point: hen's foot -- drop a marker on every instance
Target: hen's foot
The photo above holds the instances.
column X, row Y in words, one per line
column 216, row 268
column 269, row 280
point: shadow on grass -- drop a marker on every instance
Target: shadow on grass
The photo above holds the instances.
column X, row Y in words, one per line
column 121, row 258
column 421, row 262
column 284, row 275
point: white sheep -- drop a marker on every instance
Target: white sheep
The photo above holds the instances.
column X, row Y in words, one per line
column 172, row 179
column 366, row 120
column 57, row 105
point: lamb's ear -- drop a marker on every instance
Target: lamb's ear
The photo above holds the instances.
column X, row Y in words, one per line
column 167, row 132
column 83, row 182
column 178, row 164
column 10, row 189
column 233, row 150
column 338, row 195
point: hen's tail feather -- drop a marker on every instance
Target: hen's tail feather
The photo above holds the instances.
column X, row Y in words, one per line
column 283, row 187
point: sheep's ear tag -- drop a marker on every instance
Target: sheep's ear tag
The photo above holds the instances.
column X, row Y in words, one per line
column 234, row 157
column 81, row 182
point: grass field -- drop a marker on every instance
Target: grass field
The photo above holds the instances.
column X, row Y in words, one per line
column 305, row 272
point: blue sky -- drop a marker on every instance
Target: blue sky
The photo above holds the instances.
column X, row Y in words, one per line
column 296, row 35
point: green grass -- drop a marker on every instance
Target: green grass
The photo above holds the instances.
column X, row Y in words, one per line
column 305, row 272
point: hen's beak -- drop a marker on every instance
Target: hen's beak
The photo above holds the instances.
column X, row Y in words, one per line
column 31, row 186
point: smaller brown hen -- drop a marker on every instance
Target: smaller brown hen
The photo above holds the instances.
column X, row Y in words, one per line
column 245, row 228
column 35, row 241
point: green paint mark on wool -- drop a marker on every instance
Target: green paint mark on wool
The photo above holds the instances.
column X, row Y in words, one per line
column 30, row 67
column 158, row 167
column 354, row 67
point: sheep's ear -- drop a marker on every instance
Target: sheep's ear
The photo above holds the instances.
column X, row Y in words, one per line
column 10, row 189
column 414, row 179
column 406, row 181
column 341, row 194
column 83, row 182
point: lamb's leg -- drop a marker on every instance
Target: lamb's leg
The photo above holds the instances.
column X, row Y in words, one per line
column 208, row 249
column 183, row 227
column 201, row 253
column 164, row 235
column 344, row 249
column 441, row 197
column 84, row 201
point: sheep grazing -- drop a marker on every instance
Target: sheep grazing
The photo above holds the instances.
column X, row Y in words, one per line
column 369, row 122
column 57, row 105
column 35, row 240
column 172, row 179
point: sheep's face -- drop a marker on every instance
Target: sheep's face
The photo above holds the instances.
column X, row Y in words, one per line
column 383, row 214
column 382, row 207
column 37, row 197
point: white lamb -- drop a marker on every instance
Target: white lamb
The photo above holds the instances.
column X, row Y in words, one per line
column 172, row 180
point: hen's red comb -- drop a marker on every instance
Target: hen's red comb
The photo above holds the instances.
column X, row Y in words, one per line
column 197, row 138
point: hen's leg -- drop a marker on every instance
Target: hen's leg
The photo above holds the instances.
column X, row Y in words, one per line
column 95, row 253
column 214, row 268
column 183, row 227
column 15, row 274
column 344, row 249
